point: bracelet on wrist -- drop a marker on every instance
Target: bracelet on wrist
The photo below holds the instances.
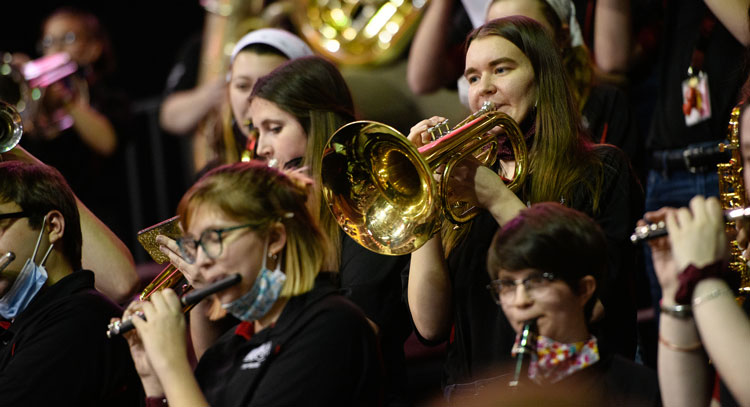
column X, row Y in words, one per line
column 692, row 275
column 711, row 295
column 678, row 310
column 678, row 348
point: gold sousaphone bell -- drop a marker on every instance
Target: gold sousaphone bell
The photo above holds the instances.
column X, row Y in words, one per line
column 358, row 32
column 380, row 187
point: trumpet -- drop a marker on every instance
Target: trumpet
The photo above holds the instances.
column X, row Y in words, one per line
column 381, row 190
column 659, row 229
column 11, row 127
column 187, row 300
column 170, row 276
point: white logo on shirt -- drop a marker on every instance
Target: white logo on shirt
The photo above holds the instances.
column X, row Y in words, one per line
column 256, row 356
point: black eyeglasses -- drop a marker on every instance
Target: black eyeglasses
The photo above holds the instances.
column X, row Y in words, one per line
column 13, row 215
column 504, row 290
column 210, row 240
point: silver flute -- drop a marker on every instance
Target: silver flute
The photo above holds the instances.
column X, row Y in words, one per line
column 193, row 297
column 659, row 229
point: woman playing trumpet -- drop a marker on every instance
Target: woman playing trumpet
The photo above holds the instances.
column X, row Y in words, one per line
column 513, row 63
column 294, row 110
column 297, row 337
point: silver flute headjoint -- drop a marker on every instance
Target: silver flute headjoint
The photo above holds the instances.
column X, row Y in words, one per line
column 659, row 229
column 6, row 259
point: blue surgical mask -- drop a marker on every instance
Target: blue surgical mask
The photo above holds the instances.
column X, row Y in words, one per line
column 265, row 291
column 30, row 280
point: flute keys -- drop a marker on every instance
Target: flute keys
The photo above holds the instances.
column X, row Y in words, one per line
column 651, row 231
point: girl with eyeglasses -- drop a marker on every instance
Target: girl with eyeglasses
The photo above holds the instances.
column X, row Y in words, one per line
column 298, row 342
column 294, row 110
column 545, row 266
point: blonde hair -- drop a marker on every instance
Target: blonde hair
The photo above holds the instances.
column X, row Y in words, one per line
column 251, row 192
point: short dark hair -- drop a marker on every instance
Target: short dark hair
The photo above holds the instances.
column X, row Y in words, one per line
column 38, row 189
column 551, row 237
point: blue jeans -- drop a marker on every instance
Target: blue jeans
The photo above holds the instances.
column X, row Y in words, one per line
column 674, row 189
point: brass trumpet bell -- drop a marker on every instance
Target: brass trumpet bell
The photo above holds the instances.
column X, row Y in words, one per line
column 380, row 188
column 11, row 127
column 170, row 276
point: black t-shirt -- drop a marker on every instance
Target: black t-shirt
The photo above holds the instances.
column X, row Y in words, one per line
column 56, row 352
column 612, row 381
column 373, row 282
column 723, row 63
column 482, row 337
column 608, row 118
column 320, row 352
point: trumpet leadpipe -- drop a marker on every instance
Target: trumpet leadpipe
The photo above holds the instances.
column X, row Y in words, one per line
column 191, row 298
column 659, row 229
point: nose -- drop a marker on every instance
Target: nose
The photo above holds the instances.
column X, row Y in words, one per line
column 522, row 298
column 201, row 266
column 486, row 86
column 264, row 147
column 53, row 48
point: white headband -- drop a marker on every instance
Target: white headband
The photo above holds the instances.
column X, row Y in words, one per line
column 565, row 10
column 284, row 41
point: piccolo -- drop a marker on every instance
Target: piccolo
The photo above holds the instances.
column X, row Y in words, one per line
column 6, row 259
column 191, row 298
column 659, row 229
column 526, row 348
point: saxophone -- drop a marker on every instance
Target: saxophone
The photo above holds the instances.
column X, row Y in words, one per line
column 732, row 196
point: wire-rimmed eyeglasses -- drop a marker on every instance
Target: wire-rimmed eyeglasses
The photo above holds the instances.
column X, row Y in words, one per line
column 504, row 290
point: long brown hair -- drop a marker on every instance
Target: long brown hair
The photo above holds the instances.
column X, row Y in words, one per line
column 561, row 158
column 315, row 93
column 576, row 59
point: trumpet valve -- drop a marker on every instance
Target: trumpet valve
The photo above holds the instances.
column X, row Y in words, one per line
column 439, row 130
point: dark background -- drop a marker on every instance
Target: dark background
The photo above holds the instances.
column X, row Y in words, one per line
column 146, row 35
column 146, row 39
